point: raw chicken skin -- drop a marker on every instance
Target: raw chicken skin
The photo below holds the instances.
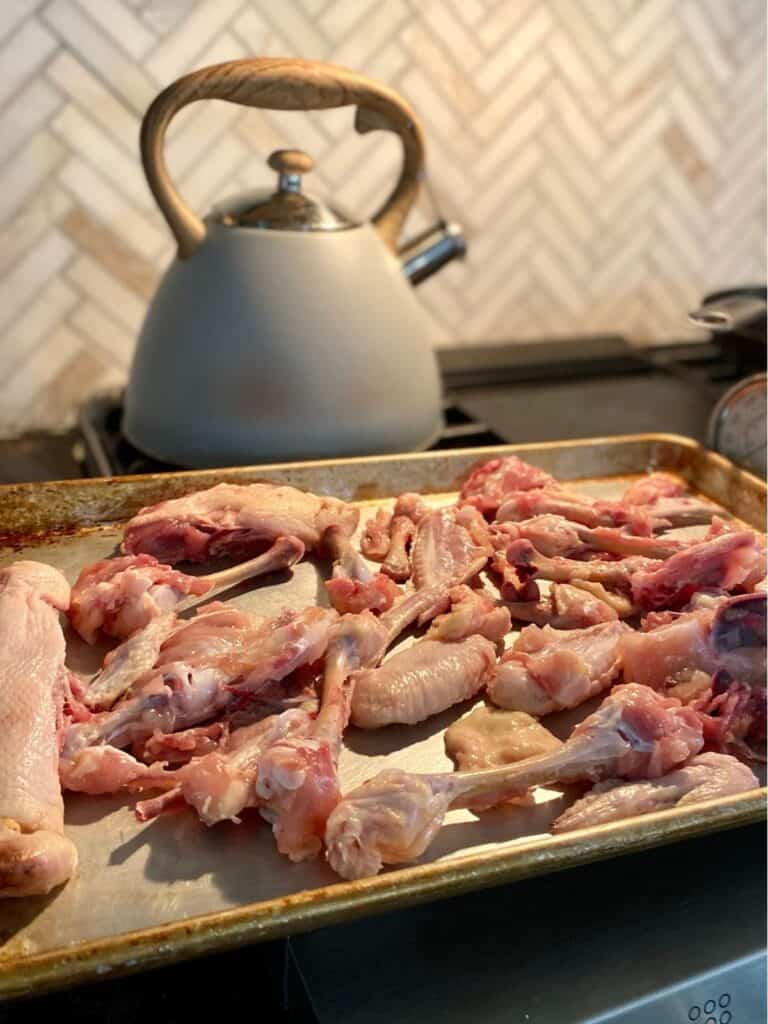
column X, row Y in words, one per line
column 572, row 606
column 120, row 596
column 489, row 737
column 421, row 681
column 353, row 587
column 704, row 777
column 548, row 669
column 374, row 542
column 128, row 662
column 234, row 520
column 727, row 561
column 392, row 818
column 487, row 484
column 35, row 856
column 472, row 613
column 648, row 489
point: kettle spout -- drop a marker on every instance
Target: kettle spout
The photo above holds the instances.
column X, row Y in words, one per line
column 428, row 252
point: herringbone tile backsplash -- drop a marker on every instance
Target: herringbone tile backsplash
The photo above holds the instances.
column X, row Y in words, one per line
column 607, row 158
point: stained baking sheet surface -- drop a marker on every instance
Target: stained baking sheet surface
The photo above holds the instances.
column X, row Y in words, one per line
column 134, row 878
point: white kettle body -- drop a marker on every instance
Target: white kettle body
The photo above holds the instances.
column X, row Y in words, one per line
column 284, row 331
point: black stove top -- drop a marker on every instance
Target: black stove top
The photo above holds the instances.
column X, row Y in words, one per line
column 520, row 392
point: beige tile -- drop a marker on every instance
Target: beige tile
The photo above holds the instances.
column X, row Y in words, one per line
column 31, row 273
column 446, row 74
column 496, row 114
column 44, row 209
column 82, row 86
column 177, row 53
column 75, row 381
column 31, row 379
column 13, row 12
column 341, row 15
column 362, row 42
column 110, row 252
column 634, row 31
column 34, row 103
column 107, row 292
column 110, row 337
column 442, row 23
column 119, row 22
column 21, row 336
column 520, row 44
column 22, row 53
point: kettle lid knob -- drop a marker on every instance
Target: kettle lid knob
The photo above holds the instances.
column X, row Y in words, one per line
column 290, row 165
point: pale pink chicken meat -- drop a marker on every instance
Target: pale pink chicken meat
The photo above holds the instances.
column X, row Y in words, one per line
column 726, row 561
column 374, row 541
column 234, row 520
column 201, row 667
column 392, row 818
column 550, row 669
column 35, row 855
column 488, row 483
column 705, row 777
column 572, row 606
column 353, row 587
column 128, row 662
column 408, row 512
column 472, row 613
column 297, row 782
column 489, row 737
column 648, row 489
column 421, row 681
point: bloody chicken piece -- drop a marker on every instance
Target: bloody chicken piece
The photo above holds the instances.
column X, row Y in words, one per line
column 392, row 818
column 727, row 561
column 734, row 717
column 353, row 587
column 705, row 777
column 421, row 681
column 234, row 520
column 550, row 669
column 35, row 855
column 471, row 613
column 487, row 484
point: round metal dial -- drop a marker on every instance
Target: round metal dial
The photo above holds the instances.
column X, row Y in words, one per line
column 737, row 428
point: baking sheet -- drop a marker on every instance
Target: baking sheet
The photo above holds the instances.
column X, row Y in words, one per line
column 179, row 888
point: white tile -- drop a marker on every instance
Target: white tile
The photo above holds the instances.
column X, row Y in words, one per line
column 205, row 182
column 571, row 162
column 107, row 292
column 634, row 145
column 567, row 291
column 520, row 168
column 111, row 208
column 519, row 45
column 46, row 206
column 432, row 108
column 32, row 105
column 178, row 51
column 696, row 122
column 83, row 136
column 581, row 130
column 498, row 23
column 635, row 29
column 337, row 19
column 448, row 77
column 591, row 41
column 24, row 173
column 82, row 86
column 457, row 40
column 105, row 332
column 314, row 7
column 570, row 250
column 12, row 12
column 84, row 37
column 556, row 191
column 364, row 40
column 31, row 273
column 293, row 24
column 494, row 114
column 223, row 48
column 126, row 29
column 650, row 62
column 51, row 305
column 706, row 40
column 388, row 62
column 30, row 380
column 605, row 14
column 162, row 16
column 470, row 12
column 504, row 148
column 22, row 54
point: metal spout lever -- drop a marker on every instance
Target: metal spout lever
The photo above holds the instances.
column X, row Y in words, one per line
column 428, row 252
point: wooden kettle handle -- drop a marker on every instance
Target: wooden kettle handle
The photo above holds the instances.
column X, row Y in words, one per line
column 282, row 83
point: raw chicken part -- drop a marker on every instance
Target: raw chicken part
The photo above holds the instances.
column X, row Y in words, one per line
column 297, row 781
column 177, row 748
column 734, row 717
column 120, row 596
column 524, row 564
column 728, row 561
column 421, row 681
column 35, row 855
column 221, row 784
column 487, row 484
column 374, row 542
column 201, row 666
column 472, row 613
column 128, row 662
column 234, row 520
column 392, row 818
column 704, row 777
column 648, row 489
column 353, row 587
column 397, row 565
column 550, row 669
column 572, row 606
column 489, row 737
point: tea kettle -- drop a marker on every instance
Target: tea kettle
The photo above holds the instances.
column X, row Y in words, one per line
column 283, row 329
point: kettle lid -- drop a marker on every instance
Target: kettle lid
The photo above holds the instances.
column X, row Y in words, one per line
column 287, row 209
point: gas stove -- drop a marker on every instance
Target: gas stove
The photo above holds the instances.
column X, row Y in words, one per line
column 518, row 392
